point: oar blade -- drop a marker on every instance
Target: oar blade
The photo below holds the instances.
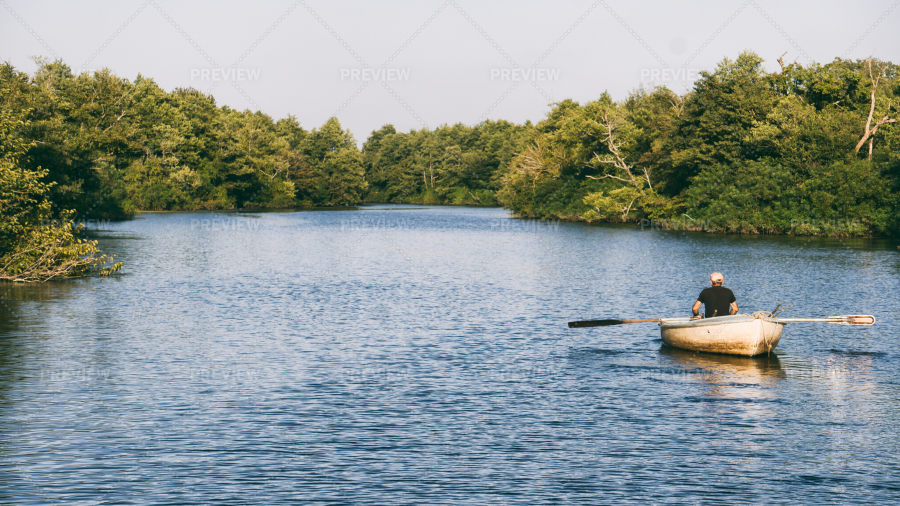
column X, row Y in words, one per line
column 594, row 323
column 606, row 323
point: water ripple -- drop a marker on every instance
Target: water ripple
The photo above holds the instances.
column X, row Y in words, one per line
column 409, row 355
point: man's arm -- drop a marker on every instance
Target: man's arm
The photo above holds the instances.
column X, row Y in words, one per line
column 734, row 308
column 696, row 308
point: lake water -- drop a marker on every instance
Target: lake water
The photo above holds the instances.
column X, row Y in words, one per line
column 413, row 355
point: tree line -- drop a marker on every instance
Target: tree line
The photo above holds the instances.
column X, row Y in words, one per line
column 809, row 149
column 112, row 147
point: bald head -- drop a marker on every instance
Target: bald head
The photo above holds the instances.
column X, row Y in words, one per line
column 716, row 279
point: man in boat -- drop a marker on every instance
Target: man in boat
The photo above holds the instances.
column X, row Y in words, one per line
column 719, row 301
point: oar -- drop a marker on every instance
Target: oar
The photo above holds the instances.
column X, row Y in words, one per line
column 606, row 323
column 860, row 319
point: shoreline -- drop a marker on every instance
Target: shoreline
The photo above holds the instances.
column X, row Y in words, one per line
column 659, row 224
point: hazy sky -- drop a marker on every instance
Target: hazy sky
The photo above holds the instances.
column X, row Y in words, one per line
column 426, row 63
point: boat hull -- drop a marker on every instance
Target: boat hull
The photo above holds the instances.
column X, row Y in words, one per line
column 732, row 335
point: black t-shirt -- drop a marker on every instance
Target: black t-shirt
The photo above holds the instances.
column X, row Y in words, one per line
column 717, row 300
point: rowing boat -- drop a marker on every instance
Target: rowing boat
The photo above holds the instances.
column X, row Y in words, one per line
column 742, row 334
column 747, row 335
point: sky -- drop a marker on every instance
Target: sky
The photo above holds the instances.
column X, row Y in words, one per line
column 418, row 64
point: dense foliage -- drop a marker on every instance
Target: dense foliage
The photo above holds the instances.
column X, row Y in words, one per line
column 112, row 147
column 33, row 245
column 807, row 150
column 451, row 164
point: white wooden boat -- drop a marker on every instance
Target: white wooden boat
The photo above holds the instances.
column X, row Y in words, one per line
column 744, row 334
column 747, row 335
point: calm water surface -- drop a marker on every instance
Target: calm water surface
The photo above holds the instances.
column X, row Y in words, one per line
column 411, row 355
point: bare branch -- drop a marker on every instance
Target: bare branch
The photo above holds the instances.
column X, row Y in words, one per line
column 781, row 61
column 870, row 132
column 610, row 176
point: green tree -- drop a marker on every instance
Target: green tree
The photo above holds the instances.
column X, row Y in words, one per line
column 343, row 176
column 33, row 246
column 718, row 116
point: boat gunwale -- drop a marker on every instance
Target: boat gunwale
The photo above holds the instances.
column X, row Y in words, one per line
column 718, row 320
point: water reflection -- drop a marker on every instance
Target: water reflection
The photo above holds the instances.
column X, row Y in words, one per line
column 721, row 368
column 26, row 310
column 10, row 351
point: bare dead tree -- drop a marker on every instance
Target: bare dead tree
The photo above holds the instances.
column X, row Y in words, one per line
column 870, row 131
column 781, row 62
column 610, row 126
column 537, row 161
column 677, row 105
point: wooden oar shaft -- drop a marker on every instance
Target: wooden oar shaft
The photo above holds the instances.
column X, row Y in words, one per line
column 829, row 320
column 849, row 319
